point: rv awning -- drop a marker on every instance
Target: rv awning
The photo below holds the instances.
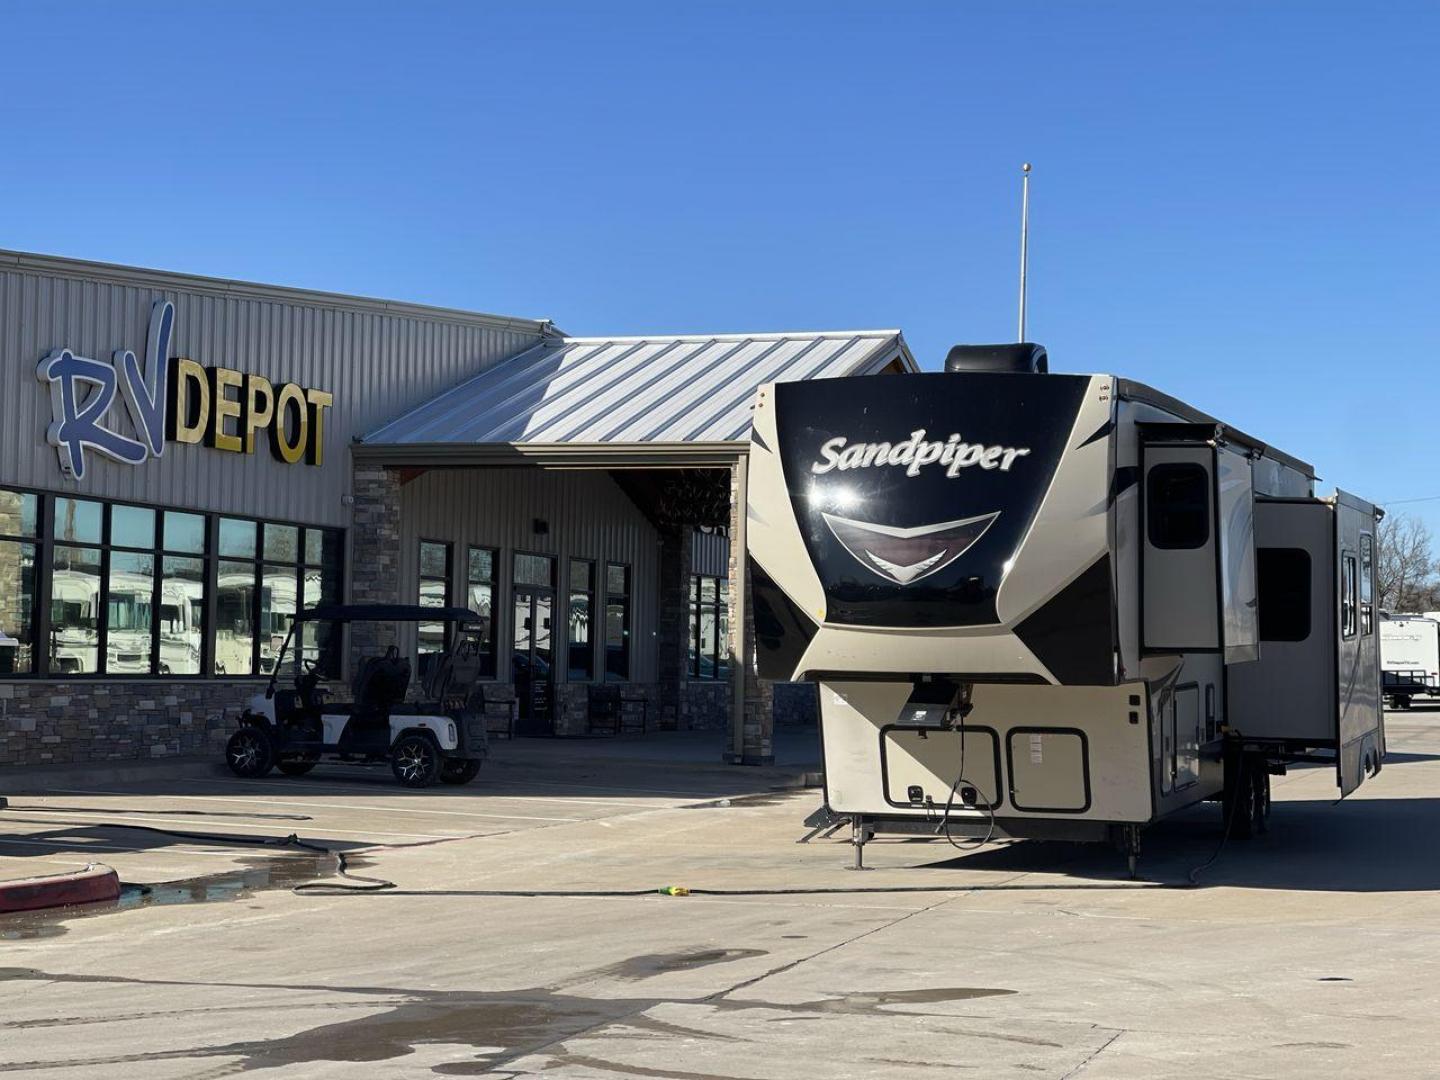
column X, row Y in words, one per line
column 629, row 396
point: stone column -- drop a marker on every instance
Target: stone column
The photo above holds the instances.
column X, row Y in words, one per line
column 374, row 555
column 674, row 630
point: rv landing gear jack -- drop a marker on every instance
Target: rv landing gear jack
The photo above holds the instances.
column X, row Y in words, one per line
column 1130, row 844
column 860, row 833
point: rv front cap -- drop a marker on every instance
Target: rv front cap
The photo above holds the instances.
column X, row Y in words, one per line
column 915, row 453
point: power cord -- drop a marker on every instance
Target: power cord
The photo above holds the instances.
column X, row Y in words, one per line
column 960, row 779
column 1243, row 797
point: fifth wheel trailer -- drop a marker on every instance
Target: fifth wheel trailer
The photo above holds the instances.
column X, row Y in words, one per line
column 1045, row 605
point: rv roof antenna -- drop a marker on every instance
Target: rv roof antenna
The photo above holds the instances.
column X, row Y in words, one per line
column 1024, row 240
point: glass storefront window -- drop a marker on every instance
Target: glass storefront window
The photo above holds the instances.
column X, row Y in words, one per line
column 19, row 513
column 480, row 597
column 129, row 613
column 277, row 613
column 128, row 589
column 282, row 543
column 235, row 618
column 237, row 538
column 185, row 532
column 709, row 621
column 322, row 547
column 75, row 611
column 17, row 603
column 182, row 614
column 78, row 520
column 617, row 622
column 321, row 586
column 132, row 526
column 434, row 591
column 581, row 650
column 534, row 570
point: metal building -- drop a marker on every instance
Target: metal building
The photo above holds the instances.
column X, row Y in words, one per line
column 184, row 461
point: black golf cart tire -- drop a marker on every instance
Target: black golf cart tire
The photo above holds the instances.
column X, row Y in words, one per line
column 296, row 767
column 246, row 765
column 459, row 770
column 420, row 748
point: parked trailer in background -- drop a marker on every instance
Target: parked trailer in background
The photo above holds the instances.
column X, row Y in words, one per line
column 1409, row 657
column 1059, row 606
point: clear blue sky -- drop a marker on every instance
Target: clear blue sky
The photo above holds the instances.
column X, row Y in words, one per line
column 1237, row 203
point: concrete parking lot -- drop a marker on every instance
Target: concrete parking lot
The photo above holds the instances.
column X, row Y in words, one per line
column 1309, row 951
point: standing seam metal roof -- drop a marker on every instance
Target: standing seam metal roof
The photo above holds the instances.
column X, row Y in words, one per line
column 636, row 390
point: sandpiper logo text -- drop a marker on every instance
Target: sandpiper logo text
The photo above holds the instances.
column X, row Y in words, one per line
column 914, row 454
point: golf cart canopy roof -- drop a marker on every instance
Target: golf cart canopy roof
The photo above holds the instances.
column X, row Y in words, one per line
column 385, row 613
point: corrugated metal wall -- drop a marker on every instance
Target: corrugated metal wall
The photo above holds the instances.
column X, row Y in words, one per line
column 709, row 554
column 589, row 518
column 377, row 359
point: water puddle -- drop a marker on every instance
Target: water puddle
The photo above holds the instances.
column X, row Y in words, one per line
column 254, row 876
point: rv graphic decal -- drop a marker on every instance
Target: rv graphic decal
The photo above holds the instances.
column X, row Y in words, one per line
column 172, row 399
column 907, row 555
column 915, row 453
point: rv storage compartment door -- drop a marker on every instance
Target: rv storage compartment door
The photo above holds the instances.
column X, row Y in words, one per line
column 922, row 764
column 1178, row 568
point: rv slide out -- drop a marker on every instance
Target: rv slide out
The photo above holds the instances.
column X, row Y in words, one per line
column 1044, row 605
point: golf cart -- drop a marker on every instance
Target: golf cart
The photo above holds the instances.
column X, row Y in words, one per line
column 442, row 738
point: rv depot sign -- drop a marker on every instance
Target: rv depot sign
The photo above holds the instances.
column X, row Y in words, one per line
column 172, row 399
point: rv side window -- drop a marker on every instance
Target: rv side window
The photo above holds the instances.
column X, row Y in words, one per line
column 1367, row 583
column 1177, row 500
column 1283, row 580
column 1347, row 595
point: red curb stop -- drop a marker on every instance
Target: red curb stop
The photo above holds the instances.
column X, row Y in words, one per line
column 93, row 884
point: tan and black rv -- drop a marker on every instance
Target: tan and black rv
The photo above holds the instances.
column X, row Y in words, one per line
column 1046, row 605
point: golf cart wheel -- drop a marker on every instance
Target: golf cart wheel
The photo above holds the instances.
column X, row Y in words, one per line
column 415, row 761
column 298, row 766
column 459, row 770
column 250, row 752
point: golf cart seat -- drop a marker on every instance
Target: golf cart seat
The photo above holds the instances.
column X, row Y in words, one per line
column 455, row 672
column 381, row 682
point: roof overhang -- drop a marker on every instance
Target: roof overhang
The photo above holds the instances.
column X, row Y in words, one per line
column 586, row 455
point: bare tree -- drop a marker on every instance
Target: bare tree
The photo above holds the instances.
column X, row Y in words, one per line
column 1405, row 570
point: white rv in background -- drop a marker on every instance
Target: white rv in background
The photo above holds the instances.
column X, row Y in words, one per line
column 1409, row 657
column 1058, row 606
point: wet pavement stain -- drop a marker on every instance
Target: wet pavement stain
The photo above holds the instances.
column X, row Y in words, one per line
column 257, row 875
column 652, row 964
column 398, row 1020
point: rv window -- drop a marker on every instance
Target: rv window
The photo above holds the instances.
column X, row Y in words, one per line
column 1347, row 595
column 1177, row 498
column 1283, row 578
column 1367, row 581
